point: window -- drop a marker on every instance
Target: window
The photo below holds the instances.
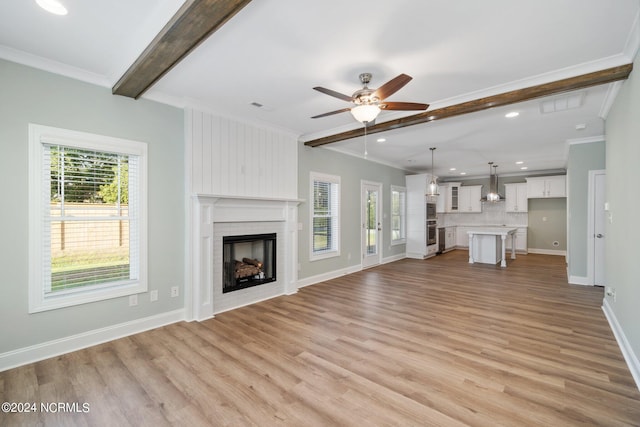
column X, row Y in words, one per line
column 87, row 224
column 325, row 216
column 398, row 215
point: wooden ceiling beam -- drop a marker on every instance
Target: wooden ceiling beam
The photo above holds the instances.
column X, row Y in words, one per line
column 608, row 75
column 191, row 25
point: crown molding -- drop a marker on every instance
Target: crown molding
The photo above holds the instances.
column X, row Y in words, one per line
column 51, row 66
column 586, row 140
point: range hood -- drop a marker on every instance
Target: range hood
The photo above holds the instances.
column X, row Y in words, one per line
column 492, row 194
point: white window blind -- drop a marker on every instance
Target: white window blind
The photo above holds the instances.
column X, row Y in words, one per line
column 87, row 227
column 325, row 215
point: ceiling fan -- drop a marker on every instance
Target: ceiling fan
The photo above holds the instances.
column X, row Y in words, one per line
column 369, row 102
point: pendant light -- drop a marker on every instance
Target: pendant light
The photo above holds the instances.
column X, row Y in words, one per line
column 492, row 195
column 432, row 189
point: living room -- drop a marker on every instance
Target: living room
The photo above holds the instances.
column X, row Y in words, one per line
column 198, row 179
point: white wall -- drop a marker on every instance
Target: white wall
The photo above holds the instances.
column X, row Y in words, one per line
column 233, row 158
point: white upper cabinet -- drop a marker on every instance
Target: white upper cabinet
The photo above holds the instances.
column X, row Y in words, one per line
column 441, row 202
column 452, row 197
column 547, row 186
column 516, row 197
column 469, row 198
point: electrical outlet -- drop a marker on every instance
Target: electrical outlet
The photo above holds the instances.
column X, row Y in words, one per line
column 153, row 295
column 133, row 300
column 611, row 292
column 175, row 291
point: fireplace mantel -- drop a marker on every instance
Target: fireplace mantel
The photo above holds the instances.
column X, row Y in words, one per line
column 214, row 211
column 257, row 198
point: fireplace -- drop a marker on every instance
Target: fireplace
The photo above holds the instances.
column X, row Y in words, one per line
column 263, row 230
column 248, row 260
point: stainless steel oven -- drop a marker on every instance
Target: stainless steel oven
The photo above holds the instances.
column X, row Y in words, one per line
column 431, row 232
column 431, row 224
column 431, row 211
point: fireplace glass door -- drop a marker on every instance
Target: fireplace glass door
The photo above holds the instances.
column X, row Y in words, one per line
column 249, row 260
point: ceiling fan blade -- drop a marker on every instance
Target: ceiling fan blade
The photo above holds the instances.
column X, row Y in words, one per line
column 406, row 106
column 331, row 113
column 392, row 86
column 334, row 93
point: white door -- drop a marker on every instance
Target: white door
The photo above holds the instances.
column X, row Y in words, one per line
column 599, row 229
column 371, row 224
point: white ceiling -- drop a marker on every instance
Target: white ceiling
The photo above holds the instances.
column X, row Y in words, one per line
column 274, row 52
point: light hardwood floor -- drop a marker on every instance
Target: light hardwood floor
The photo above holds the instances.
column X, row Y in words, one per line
column 424, row 343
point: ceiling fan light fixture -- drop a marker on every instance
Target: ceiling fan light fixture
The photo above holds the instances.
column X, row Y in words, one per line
column 53, row 6
column 365, row 113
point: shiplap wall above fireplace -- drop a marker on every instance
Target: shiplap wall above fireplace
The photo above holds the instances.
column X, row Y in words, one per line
column 231, row 158
column 239, row 175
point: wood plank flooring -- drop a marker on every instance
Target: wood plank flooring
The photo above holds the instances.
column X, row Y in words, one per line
column 438, row 342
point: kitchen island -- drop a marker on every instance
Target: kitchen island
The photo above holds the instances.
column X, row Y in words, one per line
column 488, row 245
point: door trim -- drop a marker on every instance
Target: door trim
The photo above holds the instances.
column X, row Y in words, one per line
column 380, row 243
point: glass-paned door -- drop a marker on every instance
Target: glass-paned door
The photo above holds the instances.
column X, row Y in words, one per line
column 371, row 224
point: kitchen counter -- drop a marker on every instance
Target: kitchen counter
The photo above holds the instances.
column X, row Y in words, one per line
column 488, row 244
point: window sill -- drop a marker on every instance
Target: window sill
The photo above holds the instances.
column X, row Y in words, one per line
column 324, row 255
column 54, row 302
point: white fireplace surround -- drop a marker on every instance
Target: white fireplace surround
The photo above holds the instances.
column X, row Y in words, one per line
column 216, row 216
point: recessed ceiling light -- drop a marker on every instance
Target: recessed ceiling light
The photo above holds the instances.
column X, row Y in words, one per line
column 463, row 173
column 512, row 114
column 524, row 168
column 381, row 139
column 52, row 6
column 519, row 163
column 452, row 169
column 581, row 126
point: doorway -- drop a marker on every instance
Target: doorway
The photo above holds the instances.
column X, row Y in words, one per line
column 371, row 201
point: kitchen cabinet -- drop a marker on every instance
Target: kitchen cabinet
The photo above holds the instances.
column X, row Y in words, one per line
column 521, row 240
column 547, row 187
column 417, row 217
column 469, row 198
column 516, row 197
column 450, row 238
column 462, row 238
column 451, row 190
column 441, row 202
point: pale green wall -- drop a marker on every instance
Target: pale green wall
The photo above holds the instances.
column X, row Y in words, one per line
column 351, row 171
column 33, row 96
column 582, row 159
column 622, row 233
column 547, row 224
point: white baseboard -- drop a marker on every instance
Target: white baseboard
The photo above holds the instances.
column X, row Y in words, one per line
column 328, row 276
column 579, row 280
column 629, row 356
column 46, row 350
column 393, row 258
column 250, row 302
column 547, row 252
